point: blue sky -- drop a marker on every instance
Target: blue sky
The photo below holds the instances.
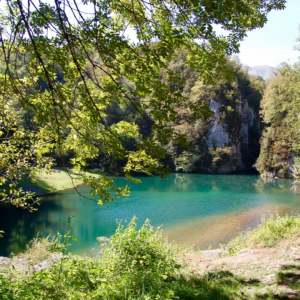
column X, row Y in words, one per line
column 274, row 43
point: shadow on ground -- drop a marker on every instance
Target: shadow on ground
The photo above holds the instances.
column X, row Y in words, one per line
column 214, row 285
column 225, row 285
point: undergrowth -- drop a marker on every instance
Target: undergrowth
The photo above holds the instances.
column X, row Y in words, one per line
column 269, row 233
column 140, row 264
column 37, row 250
column 136, row 264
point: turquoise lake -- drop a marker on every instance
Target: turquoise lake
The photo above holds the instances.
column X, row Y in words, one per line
column 199, row 210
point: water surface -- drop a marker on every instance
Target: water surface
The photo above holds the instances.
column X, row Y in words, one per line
column 200, row 210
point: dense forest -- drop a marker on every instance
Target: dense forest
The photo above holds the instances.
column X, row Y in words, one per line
column 244, row 127
column 280, row 113
column 226, row 140
column 94, row 98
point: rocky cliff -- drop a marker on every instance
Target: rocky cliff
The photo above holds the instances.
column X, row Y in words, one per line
column 236, row 142
column 227, row 142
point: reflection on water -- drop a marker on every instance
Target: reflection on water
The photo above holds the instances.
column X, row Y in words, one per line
column 193, row 208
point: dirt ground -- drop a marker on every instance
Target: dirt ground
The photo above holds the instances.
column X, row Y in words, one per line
column 271, row 269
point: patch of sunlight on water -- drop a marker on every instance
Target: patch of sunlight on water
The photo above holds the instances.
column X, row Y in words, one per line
column 210, row 232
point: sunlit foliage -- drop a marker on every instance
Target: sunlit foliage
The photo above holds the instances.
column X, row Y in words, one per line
column 280, row 142
column 68, row 61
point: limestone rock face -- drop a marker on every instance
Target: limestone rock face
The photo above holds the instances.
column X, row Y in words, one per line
column 292, row 169
column 227, row 142
column 236, row 138
column 217, row 135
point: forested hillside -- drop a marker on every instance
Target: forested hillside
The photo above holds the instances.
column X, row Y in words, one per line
column 228, row 140
column 280, row 114
column 243, row 125
column 223, row 137
column 225, row 141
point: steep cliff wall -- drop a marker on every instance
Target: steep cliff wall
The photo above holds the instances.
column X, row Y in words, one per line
column 227, row 142
column 237, row 140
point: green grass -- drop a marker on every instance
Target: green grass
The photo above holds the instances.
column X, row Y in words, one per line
column 269, row 233
column 53, row 182
column 140, row 264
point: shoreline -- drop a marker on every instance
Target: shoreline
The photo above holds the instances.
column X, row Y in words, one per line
column 51, row 182
column 46, row 184
column 261, row 264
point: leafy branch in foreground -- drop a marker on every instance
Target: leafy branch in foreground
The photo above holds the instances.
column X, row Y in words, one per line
column 69, row 61
column 21, row 154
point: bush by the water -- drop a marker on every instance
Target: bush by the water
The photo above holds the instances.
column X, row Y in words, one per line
column 137, row 264
column 269, row 233
column 38, row 249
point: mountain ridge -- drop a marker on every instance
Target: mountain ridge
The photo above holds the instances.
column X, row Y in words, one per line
column 264, row 71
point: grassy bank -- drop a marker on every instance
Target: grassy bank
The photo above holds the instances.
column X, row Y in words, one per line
column 139, row 264
column 272, row 230
column 56, row 181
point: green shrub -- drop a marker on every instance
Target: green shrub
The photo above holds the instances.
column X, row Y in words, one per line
column 37, row 250
column 137, row 264
column 269, row 233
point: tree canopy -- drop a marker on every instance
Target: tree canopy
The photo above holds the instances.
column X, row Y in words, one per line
column 280, row 144
column 68, row 62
